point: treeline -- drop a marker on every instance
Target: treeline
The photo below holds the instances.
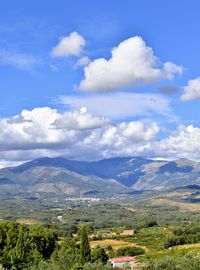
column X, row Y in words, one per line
column 184, row 235
column 36, row 247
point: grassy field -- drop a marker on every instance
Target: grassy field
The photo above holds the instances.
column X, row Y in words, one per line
column 116, row 244
column 28, row 221
column 189, row 246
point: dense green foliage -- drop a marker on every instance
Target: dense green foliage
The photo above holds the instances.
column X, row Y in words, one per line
column 182, row 236
column 36, row 247
column 98, row 254
column 21, row 245
column 60, row 245
column 129, row 251
column 186, row 262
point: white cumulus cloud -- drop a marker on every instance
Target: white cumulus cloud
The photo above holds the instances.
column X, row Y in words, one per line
column 44, row 128
column 181, row 143
column 132, row 63
column 71, row 45
column 192, row 90
column 79, row 120
column 81, row 135
column 118, row 140
column 75, row 134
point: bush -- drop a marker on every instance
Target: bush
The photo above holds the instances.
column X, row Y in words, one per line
column 130, row 251
column 98, row 254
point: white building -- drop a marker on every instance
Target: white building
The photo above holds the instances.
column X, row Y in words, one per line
column 123, row 262
column 60, row 218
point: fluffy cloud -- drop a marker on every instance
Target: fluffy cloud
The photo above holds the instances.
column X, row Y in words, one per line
column 79, row 134
column 184, row 142
column 71, row 45
column 75, row 134
column 137, row 138
column 122, row 134
column 44, row 128
column 192, row 90
column 119, row 140
column 132, row 63
column 79, row 120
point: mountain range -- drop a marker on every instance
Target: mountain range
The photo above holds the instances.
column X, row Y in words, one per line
column 108, row 176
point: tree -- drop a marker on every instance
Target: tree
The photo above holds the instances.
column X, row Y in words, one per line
column 12, row 235
column 84, row 246
column 45, row 240
column 67, row 255
column 23, row 247
column 98, row 254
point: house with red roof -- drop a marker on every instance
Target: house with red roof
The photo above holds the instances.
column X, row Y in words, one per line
column 126, row 261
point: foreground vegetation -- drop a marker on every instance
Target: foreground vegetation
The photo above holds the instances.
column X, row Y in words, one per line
column 37, row 247
column 50, row 236
column 49, row 247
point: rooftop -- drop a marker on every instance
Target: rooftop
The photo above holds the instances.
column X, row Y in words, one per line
column 123, row 259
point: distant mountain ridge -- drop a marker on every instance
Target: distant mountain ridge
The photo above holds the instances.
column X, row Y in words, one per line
column 105, row 168
column 114, row 175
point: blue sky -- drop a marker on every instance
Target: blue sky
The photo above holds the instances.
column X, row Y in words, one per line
column 57, row 63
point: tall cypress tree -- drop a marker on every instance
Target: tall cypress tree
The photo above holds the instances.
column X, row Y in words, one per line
column 84, row 246
column 23, row 249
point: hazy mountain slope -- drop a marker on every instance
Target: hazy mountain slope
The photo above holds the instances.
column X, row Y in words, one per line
column 115, row 175
column 125, row 170
column 184, row 199
column 190, row 193
column 55, row 180
column 162, row 175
